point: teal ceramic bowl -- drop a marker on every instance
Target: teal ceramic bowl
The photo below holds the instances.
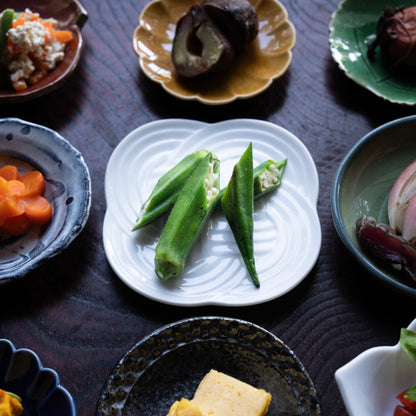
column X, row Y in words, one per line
column 352, row 28
column 362, row 185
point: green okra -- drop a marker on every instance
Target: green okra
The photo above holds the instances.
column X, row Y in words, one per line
column 189, row 214
column 266, row 177
column 238, row 205
column 167, row 189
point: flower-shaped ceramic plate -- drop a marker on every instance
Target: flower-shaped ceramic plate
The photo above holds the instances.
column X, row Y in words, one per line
column 70, row 16
column 287, row 234
column 370, row 382
column 352, row 29
column 22, row 373
column 29, row 146
column 253, row 71
column 170, row 363
column 362, row 186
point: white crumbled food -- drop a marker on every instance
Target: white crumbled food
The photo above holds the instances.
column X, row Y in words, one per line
column 32, row 40
column 210, row 181
column 269, row 177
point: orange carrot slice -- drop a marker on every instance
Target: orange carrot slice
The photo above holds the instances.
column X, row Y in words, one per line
column 16, row 226
column 34, row 183
column 10, row 207
column 11, row 188
column 9, row 172
column 37, row 209
column 62, row 35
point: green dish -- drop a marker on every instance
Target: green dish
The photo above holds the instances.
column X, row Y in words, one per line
column 362, row 186
column 352, row 29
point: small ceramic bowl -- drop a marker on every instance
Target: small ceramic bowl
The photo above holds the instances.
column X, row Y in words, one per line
column 29, row 146
column 22, row 373
column 70, row 15
column 265, row 59
column 362, row 186
column 370, row 382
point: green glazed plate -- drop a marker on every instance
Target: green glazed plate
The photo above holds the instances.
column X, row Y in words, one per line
column 352, row 29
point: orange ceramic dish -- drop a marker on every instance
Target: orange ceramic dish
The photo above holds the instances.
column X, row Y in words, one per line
column 253, row 71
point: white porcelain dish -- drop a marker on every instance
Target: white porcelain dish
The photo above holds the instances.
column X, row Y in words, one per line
column 370, row 382
column 287, row 231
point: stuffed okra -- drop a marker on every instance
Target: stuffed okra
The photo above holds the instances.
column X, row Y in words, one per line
column 188, row 217
column 238, row 204
column 167, row 189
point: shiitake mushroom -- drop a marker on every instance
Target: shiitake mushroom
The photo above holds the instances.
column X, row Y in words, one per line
column 199, row 47
column 210, row 34
column 236, row 18
column 396, row 36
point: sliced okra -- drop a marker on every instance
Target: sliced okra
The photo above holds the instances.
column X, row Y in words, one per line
column 167, row 189
column 187, row 218
column 266, row 177
column 237, row 204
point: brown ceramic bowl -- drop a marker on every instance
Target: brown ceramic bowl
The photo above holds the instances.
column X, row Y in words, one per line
column 263, row 60
column 70, row 16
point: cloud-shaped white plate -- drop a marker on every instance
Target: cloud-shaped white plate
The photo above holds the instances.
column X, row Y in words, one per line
column 370, row 382
column 287, row 233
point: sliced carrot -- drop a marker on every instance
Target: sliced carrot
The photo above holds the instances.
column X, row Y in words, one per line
column 9, row 172
column 16, row 226
column 62, row 35
column 34, row 183
column 37, row 209
column 11, row 188
column 19, row 85
column 11, row 207
column 37, row 76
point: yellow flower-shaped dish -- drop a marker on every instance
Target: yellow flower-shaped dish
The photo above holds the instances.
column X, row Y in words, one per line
column 253, row 71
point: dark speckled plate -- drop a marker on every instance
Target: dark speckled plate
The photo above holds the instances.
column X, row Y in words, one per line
column 170, row 363
column 68, row 189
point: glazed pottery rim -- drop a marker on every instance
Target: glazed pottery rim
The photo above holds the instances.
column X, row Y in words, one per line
column 41, row 368
column 335, row 207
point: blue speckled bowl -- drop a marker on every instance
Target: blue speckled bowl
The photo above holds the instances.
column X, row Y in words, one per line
column 22, row 373
column 68, row 189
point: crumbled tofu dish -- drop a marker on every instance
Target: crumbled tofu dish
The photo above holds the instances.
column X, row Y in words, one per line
column 32, row 47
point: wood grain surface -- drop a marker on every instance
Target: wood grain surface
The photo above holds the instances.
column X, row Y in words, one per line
column 80, row 318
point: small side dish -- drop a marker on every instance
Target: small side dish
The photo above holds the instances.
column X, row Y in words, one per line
column 353, row 27
column 219, row 394
column 30, row 147
column 70, row 17
column 370, row 383
column 26, row 380
column 361, row 188
column 30, row 46
column 252, row 70
column 407, row 397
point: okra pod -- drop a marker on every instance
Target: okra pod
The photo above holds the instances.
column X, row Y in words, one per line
column 167, row 189
column 266, row 177
column 187, row 218
column 237, row 203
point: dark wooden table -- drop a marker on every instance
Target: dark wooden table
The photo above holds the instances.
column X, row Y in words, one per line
column 80, row 318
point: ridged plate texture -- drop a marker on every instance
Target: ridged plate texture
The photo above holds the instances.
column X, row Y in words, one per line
column 287, row 234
